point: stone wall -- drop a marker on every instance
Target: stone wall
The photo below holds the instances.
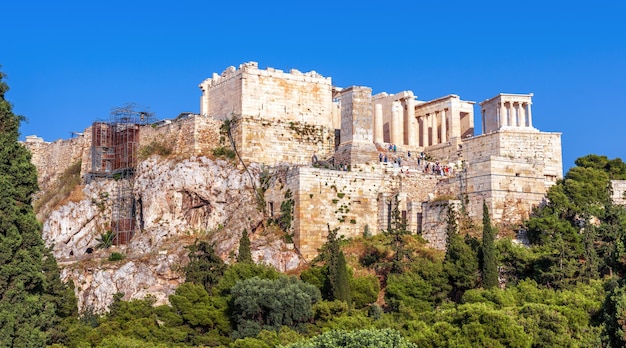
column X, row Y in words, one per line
column 618, row 192
column 192, row 135
column 52, row 159
column 435, row 221
column 281, row 142
column 356, row 145
column 510, row 169
column 350, row 200
column 269, row 94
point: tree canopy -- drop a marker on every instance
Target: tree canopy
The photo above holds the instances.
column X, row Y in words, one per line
column 33, row 301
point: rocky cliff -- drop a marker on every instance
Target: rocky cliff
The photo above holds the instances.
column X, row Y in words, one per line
column 177, row 202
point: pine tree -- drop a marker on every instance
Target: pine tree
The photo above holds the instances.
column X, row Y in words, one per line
column 490, row 266
column 245, row 255
column 33, row 300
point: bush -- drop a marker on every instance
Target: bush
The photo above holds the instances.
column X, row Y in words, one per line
column 115, row 256
column 224, row 152
column 156, row 147
column 364, row 290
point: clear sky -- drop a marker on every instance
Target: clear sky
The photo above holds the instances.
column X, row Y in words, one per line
column 70, row 62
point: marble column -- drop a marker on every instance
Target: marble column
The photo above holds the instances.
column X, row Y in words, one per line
column 484, row 126
column 529, row 116
column 433, row 129
column 411, row 129
column 504, row 117
column 520, row 116
column 378, row 124
column 444, row 128
column 424, row 130
column 396, row 123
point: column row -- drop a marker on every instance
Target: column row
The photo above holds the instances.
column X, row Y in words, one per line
column 513, row 114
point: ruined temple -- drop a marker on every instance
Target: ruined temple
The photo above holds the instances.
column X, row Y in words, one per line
column 285, row 118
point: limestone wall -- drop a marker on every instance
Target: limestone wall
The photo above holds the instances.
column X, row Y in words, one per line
column 193, row 135
column 618, row 195
column 275, row 95
column 541, row 149
column 221, row 95
column 435, row 222
column 52, row 159
column 269, row 94
column 510, row 170
column 356, row 146
column 351, row 201
column 280, row 142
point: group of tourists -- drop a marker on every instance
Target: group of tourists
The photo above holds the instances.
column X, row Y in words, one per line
column 396, row 161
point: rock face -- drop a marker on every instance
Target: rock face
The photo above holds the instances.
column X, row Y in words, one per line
column 176, row 203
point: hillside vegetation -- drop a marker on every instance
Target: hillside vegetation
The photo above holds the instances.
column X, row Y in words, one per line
column 565, row 289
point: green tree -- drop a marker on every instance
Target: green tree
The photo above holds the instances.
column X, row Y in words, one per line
column 355, row 339
column 244, row 255
column 397, row 230
column 614, row 316
column 33, row 301
column 205, row 266
column 271, row 303
column 490, row 266
column 338, row 279
column 460, row 262
column 364, row 290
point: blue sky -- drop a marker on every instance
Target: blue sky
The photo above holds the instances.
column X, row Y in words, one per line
column 70, row 62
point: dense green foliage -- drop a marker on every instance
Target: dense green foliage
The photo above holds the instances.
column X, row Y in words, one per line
column 271, row 303
column 205, row 266
column 35, row 306
column 374, row 338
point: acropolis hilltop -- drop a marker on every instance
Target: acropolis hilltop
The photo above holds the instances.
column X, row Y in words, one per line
column 341, row 155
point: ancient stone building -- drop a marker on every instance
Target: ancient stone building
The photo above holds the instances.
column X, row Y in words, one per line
column 510, row 165
column 285, row 119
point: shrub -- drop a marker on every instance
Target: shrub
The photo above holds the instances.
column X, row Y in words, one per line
column 224, row 152
column 115, row 256
column 156, row 147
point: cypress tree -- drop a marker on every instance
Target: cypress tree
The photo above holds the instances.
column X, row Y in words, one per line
column 244, row 255
column 339, row 282
column 33, row 300
column 460, row 262
column 490, row 266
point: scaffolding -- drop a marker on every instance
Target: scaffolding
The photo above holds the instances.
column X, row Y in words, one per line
column 114, row 156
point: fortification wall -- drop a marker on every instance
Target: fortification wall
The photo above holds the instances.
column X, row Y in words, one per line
column 351, row 201
column 510, row 170
column 222, row 95
column 272, row 94
column 541, row 149
column 52, row 159
column 193, row 135
column 280, row 142
column 269, row 94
